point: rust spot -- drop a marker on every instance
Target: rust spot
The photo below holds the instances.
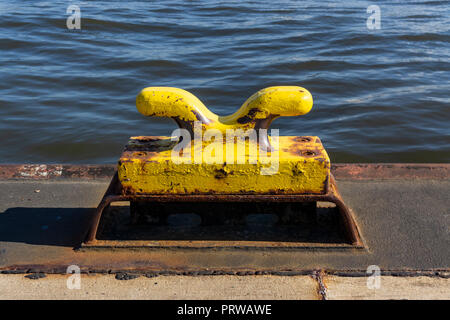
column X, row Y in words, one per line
column 302, row 139
column 220, row 174
column 248, row 117
column 300, row 150
column 296, row 171
column 308, row 153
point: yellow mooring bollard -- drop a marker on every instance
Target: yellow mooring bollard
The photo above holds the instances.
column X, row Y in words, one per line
column 219, row 160
column 224, row 158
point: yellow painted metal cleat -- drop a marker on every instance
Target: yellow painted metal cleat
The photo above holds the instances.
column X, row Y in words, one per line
column 256, row 113
column 224, row 154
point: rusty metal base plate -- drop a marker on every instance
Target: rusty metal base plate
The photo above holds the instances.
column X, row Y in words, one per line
column 303, row 221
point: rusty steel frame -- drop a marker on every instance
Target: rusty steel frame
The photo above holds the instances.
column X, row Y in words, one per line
column 115, row 193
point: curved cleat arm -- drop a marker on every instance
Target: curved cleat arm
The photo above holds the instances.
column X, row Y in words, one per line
column 256, row 113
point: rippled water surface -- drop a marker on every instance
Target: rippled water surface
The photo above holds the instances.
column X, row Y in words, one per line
column 68, row 96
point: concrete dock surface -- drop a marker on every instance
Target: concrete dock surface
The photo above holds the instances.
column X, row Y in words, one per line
column 402, row 212
column 264, row 287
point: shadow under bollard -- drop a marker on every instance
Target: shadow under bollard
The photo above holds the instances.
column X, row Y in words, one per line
column 67, row 227
column 45, row 226
column 230, row 222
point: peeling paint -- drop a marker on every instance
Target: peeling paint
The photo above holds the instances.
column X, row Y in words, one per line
column 39, row 171
column 152, row 169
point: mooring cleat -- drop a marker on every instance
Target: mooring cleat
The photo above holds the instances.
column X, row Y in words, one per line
column 225, row 166
column 214, row 159
column 256, row 113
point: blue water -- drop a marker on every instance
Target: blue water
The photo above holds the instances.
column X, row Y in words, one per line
column 68, row 96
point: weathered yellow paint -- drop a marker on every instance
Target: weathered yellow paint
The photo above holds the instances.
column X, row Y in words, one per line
column 147, row 165
column 268, row 103
column 295, row 165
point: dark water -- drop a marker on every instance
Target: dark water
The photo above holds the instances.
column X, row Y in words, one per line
column 68, row 96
